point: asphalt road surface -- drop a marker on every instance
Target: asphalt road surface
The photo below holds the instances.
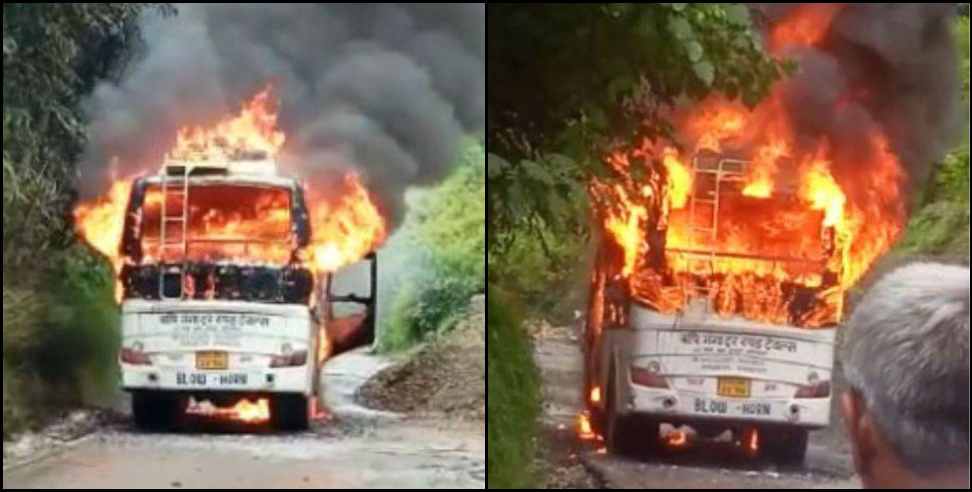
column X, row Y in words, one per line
column 356, row 448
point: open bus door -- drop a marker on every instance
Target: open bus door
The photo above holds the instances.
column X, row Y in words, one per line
column 350, row 307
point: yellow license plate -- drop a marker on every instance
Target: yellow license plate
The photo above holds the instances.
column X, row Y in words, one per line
column 734, row 387
column 212, row 361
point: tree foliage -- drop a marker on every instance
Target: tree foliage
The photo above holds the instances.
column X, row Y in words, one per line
column 513, row 402
column 567, row 80
column 53, row 55
column 434, row 264
column 60, row 323
column 941, row 223
column 962, row 40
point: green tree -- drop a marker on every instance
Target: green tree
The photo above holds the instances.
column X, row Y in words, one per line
column 53, row 55
column 437, row 260
column 568, row 80
column 940, row 226
column 59, row 317
column 962, row 41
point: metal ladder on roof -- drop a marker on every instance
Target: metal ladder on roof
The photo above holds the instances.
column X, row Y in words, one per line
column 706, row 194
column 178, row 221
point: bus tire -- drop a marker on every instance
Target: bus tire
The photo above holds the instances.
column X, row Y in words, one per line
column 633, row 435
column 154, row 412
column 788, row 447
column 291, row 413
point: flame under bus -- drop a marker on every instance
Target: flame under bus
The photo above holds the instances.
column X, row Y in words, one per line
column 222, row 316
column 726, row 322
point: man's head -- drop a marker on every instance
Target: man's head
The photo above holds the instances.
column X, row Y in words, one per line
column 906, row 358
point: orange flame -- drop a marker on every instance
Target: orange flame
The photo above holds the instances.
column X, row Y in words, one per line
column 596, row 395
column 679, row 178
column 252, row 413
column 247, row 225
column 754, row 235
column 244, row 411
column 345, row 229
column 750, row 442
column 806, row 26
column 254, row 130
column 101, row 224
column 677, row 439
column 763, row 173
column 584, row 429
column 102, row 221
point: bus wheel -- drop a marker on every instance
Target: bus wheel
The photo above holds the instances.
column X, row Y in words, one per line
column 154, row 412
column 787, row 447
column 633, row 435
column 291, row 413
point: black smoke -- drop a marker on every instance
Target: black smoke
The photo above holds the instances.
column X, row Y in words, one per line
column 886, row 66
column 385, row 89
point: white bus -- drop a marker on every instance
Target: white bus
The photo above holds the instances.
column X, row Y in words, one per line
column 657, row 380
column 220, row 318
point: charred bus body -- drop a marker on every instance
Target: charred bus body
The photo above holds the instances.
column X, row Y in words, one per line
column 710, row 333
column 219, row 305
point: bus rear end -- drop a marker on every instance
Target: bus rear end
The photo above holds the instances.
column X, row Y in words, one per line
column 222, row 318
column 724, row 328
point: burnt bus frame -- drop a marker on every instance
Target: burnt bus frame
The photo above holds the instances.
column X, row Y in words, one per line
column 131, row 247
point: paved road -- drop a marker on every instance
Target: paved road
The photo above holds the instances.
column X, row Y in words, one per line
column 828, row 464
column 357, row 449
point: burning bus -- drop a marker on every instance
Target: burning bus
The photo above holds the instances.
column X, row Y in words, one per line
column 700, row 331
column 724, row 259
column 236, row 283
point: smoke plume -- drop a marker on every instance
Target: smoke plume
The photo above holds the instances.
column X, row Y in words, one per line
column 886, row 66
column 387, row 90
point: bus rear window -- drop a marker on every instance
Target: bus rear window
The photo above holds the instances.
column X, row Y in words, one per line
column 239, row 224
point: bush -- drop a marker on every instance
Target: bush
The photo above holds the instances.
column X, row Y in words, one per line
column 940, row 226
column 513, row 403
column 551, row 279
column 61, row 333
column 436, row 262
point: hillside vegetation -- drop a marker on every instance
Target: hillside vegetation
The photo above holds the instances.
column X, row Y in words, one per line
column 60, row 329
column 436, row 261
column 940, row 225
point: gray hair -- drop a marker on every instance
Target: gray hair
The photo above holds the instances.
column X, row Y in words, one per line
column 907, row 354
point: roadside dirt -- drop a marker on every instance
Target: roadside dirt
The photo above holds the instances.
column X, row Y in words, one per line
column 828, row 464
column 446, row 377
column 356, row 447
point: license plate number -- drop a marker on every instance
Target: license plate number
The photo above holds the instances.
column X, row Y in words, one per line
column 212, row 361
column 209, row 380
column 734, row 387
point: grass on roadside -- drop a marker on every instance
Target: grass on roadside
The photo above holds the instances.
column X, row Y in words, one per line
column 513, row 403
